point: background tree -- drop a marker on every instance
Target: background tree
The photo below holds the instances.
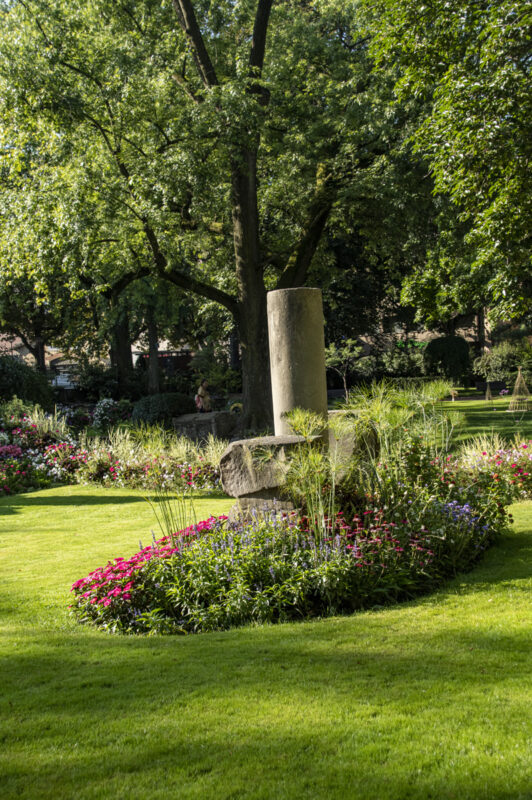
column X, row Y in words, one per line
column 36, row 321
column 469, row 62
column 448, row 356
column 342, row 358
column 216, row 141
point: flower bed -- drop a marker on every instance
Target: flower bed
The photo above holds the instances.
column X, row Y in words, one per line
column 25, row 464
column 33, row 458
column 217, row 575
column 150, row 473
column 413, row 519
column 513, row 464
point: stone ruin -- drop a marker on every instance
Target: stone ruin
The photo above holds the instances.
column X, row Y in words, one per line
column 252, row 469
column 222, row 425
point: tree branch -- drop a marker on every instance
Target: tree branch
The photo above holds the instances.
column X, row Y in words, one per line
column 183, row 83
column 258, row 44
column 297, row 266
column 258, row 47
column 187, row 20
column 260, row 29
column 23, row 338
column 186, row 281
column 190, row 284
column 113, row 291
column 133, row 19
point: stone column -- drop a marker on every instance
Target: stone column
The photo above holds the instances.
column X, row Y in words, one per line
column 297, row 353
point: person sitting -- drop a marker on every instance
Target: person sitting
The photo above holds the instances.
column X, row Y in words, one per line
column 203, row 398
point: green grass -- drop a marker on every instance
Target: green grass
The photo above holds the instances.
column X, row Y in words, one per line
column 480, row 417
column 430, row 699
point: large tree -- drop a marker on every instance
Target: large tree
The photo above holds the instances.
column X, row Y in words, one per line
column 220, row 139
column 468, row 62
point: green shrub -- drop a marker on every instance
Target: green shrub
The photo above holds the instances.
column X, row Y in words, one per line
column 15, row 409
column 162, row 407
column 18, row 378
column 109, row 412
column 95, row 381
column 448, row 356
column 502, row 362
column 403, row 358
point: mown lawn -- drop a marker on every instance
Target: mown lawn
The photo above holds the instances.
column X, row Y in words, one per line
column 430, row 699
column 480, row 417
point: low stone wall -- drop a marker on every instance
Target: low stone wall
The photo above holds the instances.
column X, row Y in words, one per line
column 221, row 424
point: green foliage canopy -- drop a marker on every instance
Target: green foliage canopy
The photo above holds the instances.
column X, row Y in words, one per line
column 209, row 144
column 469, row 62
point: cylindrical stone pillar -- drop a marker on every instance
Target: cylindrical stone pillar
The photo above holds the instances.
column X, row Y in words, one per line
column 297, row 353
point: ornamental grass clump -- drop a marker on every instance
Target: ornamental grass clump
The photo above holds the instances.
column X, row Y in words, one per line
column 149, row 458
column 385, row 441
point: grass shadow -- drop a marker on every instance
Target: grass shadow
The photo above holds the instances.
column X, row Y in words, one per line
column 15, row 503
column 242, row 681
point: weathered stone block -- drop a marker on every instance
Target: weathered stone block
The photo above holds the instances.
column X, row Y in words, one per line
column 221, row 424
column 251, row 466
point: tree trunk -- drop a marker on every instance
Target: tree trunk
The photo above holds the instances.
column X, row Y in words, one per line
column 153, row 351
column 234, row 349
column 39, row 354
column 121, row 353
column 256, row 384
column 346, row 390
column 450, row 327
column 481, row 332
column 252, row 317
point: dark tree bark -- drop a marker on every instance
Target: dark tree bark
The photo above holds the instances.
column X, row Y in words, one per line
column 36, row 347
column 39, row 354
column 234, row 350
column 121, row 356
column 481, row 331
column 252, row 317
column 153, row 353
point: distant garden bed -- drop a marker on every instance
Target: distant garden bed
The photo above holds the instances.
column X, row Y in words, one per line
column 38, row 450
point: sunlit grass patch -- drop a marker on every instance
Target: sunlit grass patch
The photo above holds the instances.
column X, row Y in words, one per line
column 428, row 699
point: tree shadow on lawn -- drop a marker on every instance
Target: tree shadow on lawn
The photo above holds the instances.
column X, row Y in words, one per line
column 506, row 424
column 15, row 503
column 508, row 559
column 90, row 657
column 315, row 706
column 306, row 698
